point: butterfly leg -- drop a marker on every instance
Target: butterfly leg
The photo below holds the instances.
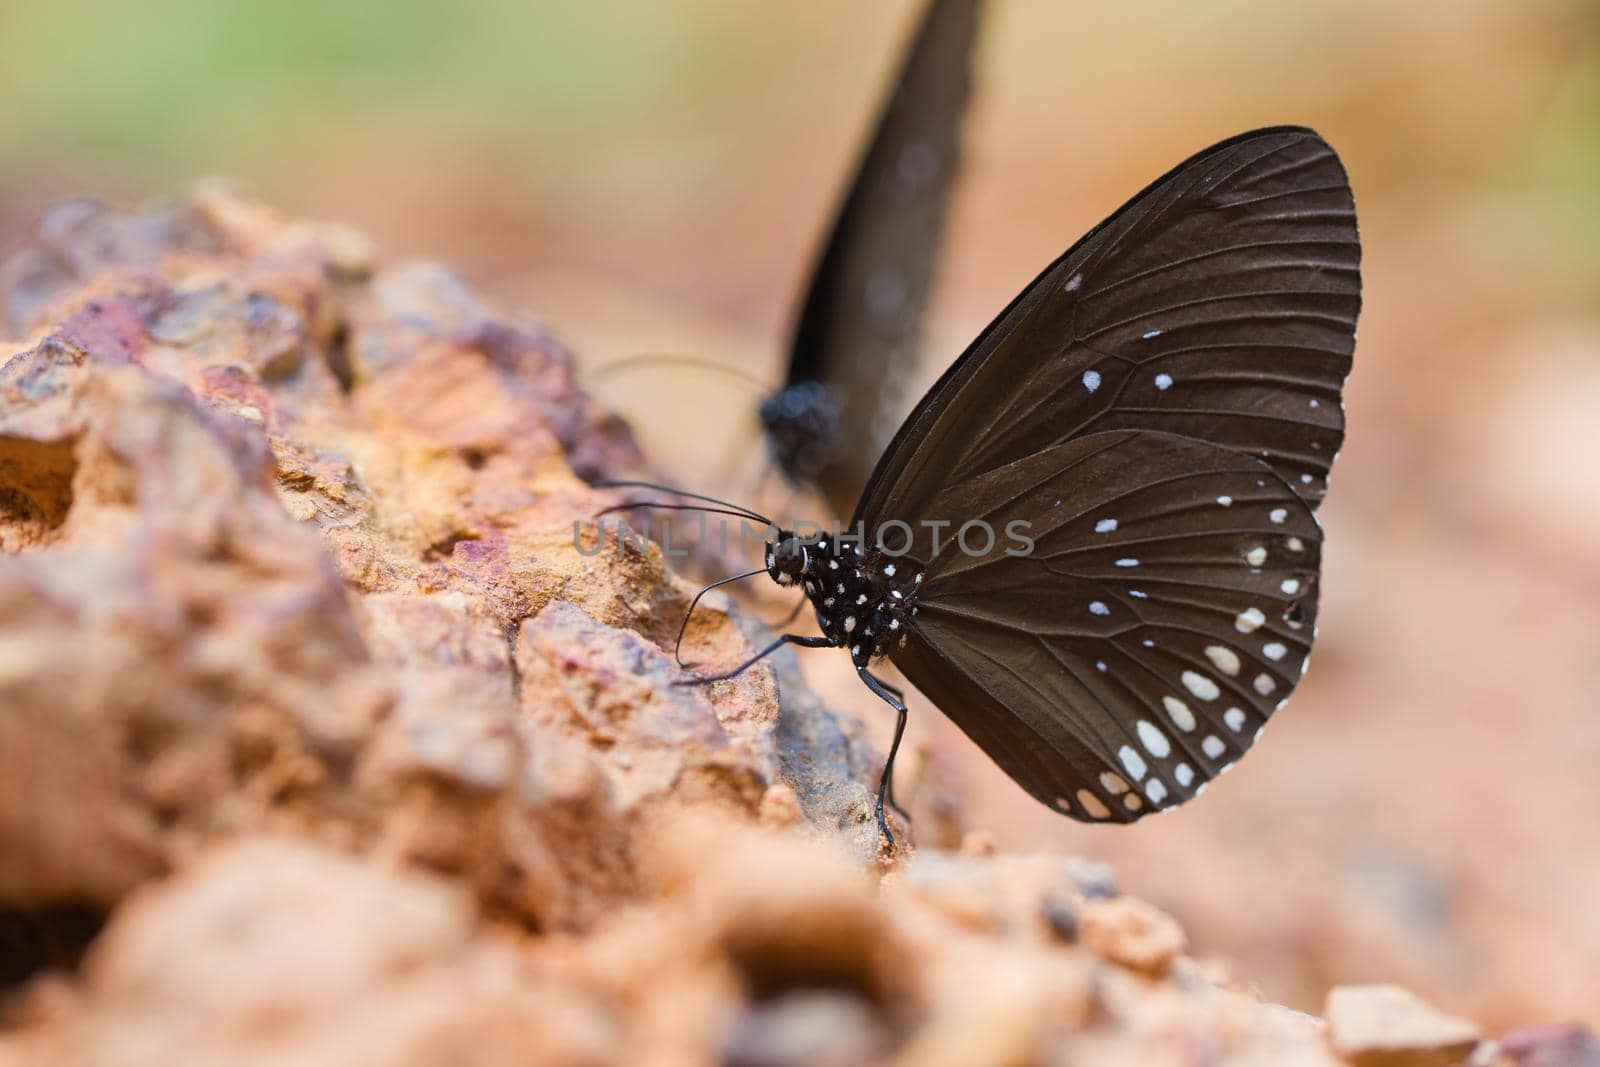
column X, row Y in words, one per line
column 683, row 627
column 786, row 639
column 896, row 700
column 889, row 792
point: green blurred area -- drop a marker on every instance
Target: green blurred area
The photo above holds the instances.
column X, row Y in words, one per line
column 614, row 134
column 190, row 80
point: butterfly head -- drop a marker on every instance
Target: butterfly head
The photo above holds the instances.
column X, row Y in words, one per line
column 788, row 557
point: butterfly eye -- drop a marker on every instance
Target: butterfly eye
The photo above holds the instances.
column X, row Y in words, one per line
column 790, row 557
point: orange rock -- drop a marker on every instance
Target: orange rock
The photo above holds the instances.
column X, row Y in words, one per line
column 1132, row 933
column 1386, row 1026
column 331, row 730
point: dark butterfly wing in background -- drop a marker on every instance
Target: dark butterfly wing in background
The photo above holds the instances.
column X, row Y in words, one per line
column 855, row 342
column 1162, row 406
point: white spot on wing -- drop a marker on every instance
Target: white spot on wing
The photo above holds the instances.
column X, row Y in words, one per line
column 1076, row 280
column 1225, row 659
column 1154, row 741
column 1179, row 712
column 1105, row 526
column 1098, row 607
column 1149, row 334
column 1249, row 620
column 1256, row 556
column 1155, row 790
column 1291, row 586
column 1163, row 382
column 1265, row 684
column 1132, row 762
column 1091, row 380
column 1127, row 561
column 1212, row 746
column 1093, row 805
column 1273, row 650
column 1184, row 774
column 1200, row 685
column 1234, row 718
column 1278, row 514
column 1225, row 501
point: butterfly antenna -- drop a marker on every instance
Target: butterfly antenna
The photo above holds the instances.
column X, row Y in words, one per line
column 677, row 647
column 653, row 505
column 748, row 512
column 605, row 370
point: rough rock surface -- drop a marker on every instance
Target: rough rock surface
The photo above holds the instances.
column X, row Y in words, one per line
column 1385, row 1026
column 325, row 739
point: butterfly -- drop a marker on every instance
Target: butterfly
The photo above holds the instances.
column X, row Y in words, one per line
column 854, row 341
column 1093, row 543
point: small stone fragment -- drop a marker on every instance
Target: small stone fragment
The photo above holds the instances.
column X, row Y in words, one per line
column 1550, row 1046
column 1130, row 932
column 1386, row 1026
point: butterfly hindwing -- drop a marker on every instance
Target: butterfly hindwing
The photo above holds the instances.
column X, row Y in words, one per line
column 1163, row 611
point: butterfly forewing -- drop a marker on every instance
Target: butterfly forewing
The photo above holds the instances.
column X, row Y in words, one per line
column 857, row 331
column 1218, row 304
column 1146, row 636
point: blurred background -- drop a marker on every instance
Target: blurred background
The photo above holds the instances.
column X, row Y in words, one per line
column 653, row 177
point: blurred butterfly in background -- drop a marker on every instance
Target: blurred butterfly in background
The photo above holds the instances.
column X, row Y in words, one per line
column 855, row 339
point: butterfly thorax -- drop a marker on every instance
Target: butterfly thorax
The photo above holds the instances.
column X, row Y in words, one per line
column 864, row 598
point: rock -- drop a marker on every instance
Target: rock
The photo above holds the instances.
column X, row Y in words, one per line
column 304, row 956
column 1386, row 1026
column 1550, row 1046
column 331, row 732
column 1132, row 933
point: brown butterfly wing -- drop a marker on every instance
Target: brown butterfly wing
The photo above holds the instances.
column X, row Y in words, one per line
column 1160, row 409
